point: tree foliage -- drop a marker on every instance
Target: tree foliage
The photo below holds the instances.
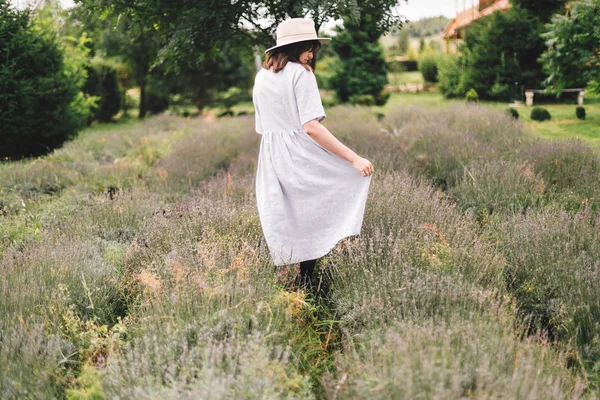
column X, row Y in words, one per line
column 543, row 9
column 427, row 26
column 428, row 65
column 103, row 82
column 194, row 31
column 499, row 56
column 41, row 105
column 403, row 43
column 362, row 70
column 572, row 58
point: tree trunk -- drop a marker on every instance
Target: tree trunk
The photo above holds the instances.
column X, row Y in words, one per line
column 143, row 111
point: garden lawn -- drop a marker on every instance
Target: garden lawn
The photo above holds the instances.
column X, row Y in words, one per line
column 404, row 78
column 563, row 125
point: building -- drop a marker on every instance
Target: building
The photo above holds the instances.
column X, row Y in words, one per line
column 466, row 13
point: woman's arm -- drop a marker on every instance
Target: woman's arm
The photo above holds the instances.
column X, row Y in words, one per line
column 322, row 136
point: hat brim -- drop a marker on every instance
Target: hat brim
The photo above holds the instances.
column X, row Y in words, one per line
column 321, row 40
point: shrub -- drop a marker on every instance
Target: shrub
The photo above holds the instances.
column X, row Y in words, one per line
column 540, row 114
column 513, row 113
column 441, row 144
column 450, row 76
column 31, row 361
column 232, row 96
column 39, row 92
column 180, row 169
column 403, row 65
column 552, row 270
column 428, row 66
column 448, row 359
column 156, row 101
column 418, row 257
column 472, row 96
column 498, row 187
column 363, row 100
column 103, row 82
column 571, row 170
column 580, row 112
column 190, row 363
column 226, row 113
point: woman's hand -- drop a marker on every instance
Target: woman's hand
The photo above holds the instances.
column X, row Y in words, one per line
column 363, row 166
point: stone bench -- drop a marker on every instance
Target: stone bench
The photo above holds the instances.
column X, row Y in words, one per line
column 530, row 92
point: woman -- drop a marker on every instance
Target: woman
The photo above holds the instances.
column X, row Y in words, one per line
column 310, row 188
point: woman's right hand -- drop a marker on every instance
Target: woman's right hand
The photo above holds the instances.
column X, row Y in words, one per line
column 363, row 166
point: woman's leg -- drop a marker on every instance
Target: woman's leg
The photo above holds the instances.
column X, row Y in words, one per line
column 307, row 268
column 306, row 276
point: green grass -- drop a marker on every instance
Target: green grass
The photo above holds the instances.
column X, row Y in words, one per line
column 564, row 123
column 425, row 99
column 404, row 78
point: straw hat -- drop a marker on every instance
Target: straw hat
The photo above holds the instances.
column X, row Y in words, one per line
column 296, row 30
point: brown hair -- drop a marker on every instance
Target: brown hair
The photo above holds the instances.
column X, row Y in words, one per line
column 279, row 57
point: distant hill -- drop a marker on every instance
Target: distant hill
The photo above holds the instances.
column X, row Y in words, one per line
column 427, row 26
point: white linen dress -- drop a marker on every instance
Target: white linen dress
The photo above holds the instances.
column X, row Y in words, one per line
column 308, row 198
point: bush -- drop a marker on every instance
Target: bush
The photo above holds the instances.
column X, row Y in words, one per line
column 232, row 96
column 552, row 270
column 416, row 248
column 403, row 65
column 428, row 66
column 39, row 91
column 513, row 113
column 156, row 101
column 540, row 114
column 580, row 112
column 472, row 96
column 450, row 80
column 571, row 170
column 103, row 82
column 439, row 145
column 363, row 100
column 444, row 359
column 492, row 187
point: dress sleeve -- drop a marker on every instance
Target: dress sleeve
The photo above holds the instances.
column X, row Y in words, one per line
column 308, row 98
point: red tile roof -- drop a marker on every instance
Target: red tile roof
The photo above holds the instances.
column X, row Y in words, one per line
column 466, row 17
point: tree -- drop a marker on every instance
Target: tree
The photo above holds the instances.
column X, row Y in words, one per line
column 362, row 76
column 543, row 9
column 427, row 26
column 103, row 83
column 232, row 67
column 193, row 30
column 499, row 56
column 572, row 58
column 403, row 44
column 192, row 35
column 41, row 105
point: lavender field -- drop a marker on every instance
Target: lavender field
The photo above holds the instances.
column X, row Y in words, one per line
column 133, row 266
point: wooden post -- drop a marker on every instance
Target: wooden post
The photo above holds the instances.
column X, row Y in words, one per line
column 529, row 97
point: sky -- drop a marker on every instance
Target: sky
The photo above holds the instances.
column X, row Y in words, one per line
column 414, row 10
column 417, row 9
